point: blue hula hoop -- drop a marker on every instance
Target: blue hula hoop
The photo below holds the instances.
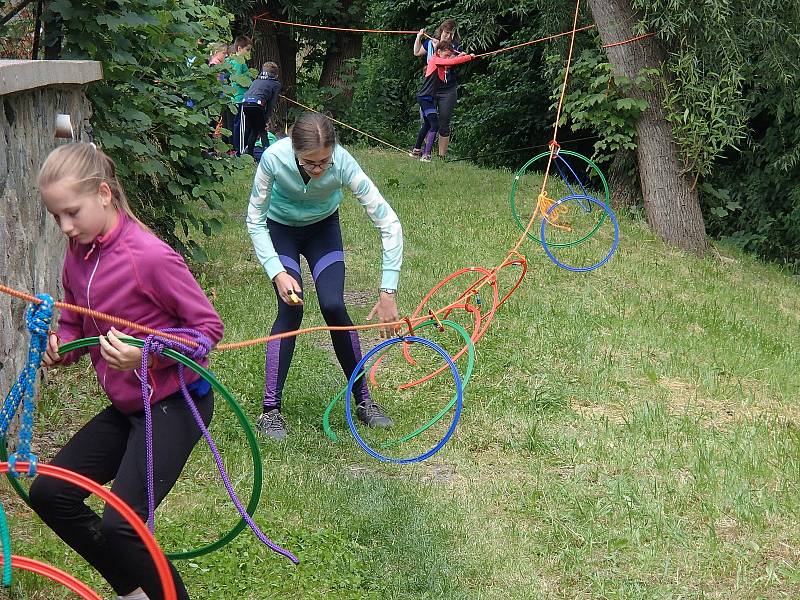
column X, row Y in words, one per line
column 599, row 203
column 585, row 207
column 349, row 393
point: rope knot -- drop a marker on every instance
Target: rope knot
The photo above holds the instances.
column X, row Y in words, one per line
column 39, row 315
column 203, row 346
column 155, row 345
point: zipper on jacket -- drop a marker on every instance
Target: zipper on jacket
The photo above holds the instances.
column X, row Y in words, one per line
column 89, row 303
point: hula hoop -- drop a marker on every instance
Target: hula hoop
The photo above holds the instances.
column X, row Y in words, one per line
column 68, row 581
column 459, row 400
column 479, row 331
column 422, row 428
column 487, row 275
column 465, row 381
column 482, row 322
column 513, row 198
column 255, row 494
column 326, row 416
column 521, row 261
column 614, row 245
column 585, row 207
column 160, row 560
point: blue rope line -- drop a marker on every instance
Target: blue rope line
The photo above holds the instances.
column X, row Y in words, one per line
column 6, row 541
column 37, row 318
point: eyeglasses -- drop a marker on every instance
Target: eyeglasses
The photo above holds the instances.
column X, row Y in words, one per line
column 322, row 166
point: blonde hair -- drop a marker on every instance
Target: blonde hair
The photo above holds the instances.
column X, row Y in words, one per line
column 88, row 167
column 312, row 131
column 218, row 47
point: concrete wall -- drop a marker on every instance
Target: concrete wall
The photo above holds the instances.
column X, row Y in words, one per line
column 32, row 93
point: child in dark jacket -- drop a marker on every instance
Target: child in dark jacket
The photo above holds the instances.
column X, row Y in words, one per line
column 257, row 105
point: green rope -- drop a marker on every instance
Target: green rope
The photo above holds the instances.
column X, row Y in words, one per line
column 326, row 425
column 6, row 541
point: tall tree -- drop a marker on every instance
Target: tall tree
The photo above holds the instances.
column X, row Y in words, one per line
column 276, row 44
column 342, row 51
column 671, row 201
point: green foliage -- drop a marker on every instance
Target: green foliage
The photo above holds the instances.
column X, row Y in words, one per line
column 16, row 36
column 753, row 199
column 706, row 110
column 383, row 103
column 154, row 109
column 598, row 103
column 732, row 100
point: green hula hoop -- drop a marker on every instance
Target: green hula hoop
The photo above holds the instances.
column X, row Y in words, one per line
column 513, row 198
column 255, row 495
column 326, row 424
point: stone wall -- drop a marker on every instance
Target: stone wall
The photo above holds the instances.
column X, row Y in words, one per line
column 32, row 93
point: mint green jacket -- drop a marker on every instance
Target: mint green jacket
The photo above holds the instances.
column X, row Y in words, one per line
column 280, row 194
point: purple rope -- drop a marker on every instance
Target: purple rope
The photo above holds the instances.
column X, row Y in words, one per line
column 156, row 345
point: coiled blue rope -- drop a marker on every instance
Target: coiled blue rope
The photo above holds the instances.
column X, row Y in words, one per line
column 37, row 318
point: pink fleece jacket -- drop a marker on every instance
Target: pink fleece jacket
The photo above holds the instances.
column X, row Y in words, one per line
column 132, row 274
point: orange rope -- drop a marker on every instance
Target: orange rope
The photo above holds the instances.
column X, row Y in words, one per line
column 544, row 39
column 634, row 39
column 543, row 202
column 230, row 346
column 261, row 17
column 98, row 315
column 346, row 125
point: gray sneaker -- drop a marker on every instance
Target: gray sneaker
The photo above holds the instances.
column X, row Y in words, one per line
column 372, row 415
column 272, row 425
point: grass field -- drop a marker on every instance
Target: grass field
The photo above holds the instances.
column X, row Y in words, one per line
column 628, row 433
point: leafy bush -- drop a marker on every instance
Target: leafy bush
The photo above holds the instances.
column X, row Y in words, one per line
column 156, row 106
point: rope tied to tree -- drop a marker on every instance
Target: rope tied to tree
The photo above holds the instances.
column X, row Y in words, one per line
column 38, row 317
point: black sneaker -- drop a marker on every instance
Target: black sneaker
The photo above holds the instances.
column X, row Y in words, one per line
column 372, row 415
column 272, row 425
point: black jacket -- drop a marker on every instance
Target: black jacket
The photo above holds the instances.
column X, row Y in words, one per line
column 264, row 91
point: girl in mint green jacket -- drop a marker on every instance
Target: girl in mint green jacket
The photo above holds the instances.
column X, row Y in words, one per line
column 293, row 210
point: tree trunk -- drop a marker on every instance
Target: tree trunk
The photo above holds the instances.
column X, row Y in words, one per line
column 625, row 192
column 269, row 44
column 287, row 50
column 671, row 202
column 276, row 44
column 337, row 72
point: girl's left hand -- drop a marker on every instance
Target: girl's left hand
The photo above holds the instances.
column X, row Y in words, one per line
column 386, row 310
column 118, row 354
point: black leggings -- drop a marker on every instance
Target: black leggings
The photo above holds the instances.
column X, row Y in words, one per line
column 445, row 103
column 252, row 127
column 321, row 244
column 111, row 446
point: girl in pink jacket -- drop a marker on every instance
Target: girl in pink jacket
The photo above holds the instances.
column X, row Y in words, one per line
column 115, row 264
